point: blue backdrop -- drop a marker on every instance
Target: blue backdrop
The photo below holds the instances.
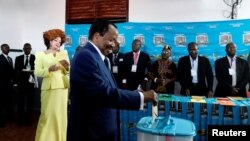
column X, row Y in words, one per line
column 210, row 36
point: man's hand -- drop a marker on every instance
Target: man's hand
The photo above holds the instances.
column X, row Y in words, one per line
column 210, row 94
column 235, row 91
column 150, row 96
column 187, row 91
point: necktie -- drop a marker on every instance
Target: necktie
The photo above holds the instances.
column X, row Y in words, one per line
column 106, row 61
column 9, row 60
column 114, row 58
column 135, row 57
column 232, row 59
column 26, row 61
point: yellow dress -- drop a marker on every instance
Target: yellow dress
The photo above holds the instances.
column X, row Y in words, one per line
column 52, row 125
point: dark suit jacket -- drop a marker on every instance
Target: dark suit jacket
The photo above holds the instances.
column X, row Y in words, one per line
column 95, row 98
column 248, row 61
column 143, row 65
column 204, row 71
column 21, row 76
column 224, row 86
column 6, row 71
column 119, row 61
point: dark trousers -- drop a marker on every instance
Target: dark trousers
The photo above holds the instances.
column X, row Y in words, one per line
column 195, row 90
column 198, row 89
column 6, row 102
column 25, row 101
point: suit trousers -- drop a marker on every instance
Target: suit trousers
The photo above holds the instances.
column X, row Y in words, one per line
column 6, row 102
column 25, row 101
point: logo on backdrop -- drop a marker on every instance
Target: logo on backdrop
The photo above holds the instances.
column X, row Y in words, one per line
column 141, row 38
column 68, row 41
column 121, row 40
column 246, row 38
column 180, row 40
column 202, row 39
column 225, row 38
column 83, row 39
column 158, row 39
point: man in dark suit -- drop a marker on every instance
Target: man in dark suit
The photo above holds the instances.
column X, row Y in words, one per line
column 232, row 74
column 24, row 72
column 116, row 60
column 94, row 93
column 136, row 65
column 195, row 73
column 248, row 61
column 6, row 85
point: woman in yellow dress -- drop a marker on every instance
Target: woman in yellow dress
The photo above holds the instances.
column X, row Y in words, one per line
column 52, row 66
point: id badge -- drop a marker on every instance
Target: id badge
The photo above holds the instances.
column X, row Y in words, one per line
column 193, row 72
column 231, row 71
column 134, row 67
column 115, row 69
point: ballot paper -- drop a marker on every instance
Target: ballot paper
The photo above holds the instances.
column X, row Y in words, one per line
column 224, row 101
column 199, row 99
column 236, row 98
column 154, row 113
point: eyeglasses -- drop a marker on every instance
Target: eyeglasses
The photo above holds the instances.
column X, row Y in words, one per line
column 165, row 52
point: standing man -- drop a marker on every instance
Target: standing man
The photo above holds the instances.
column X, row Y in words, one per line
column 232, row 74
column 116, row 60
column 24, row 70
column 136, row 65
column 6, row 85
column 248, row 61
column 94, row 93
column 195, row 73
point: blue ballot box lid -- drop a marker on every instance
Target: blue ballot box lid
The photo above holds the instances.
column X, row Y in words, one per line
column 166, row 126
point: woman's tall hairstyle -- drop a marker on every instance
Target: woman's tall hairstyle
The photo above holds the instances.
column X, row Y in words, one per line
column 53, row 34
column 166, row 47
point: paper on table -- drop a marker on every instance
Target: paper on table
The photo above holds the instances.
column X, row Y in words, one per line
column 236, row 98
column 27, row 70
column 224, row 101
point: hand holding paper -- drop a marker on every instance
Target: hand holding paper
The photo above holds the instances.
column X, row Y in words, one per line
column 150, row 96
column 154, row 112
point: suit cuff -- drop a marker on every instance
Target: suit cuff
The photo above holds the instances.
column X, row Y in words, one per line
column 155, row 79
column 142, row 101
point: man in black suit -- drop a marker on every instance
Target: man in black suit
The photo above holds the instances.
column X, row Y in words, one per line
column 136, row 65
column 116, row 60
column 24, row 70
column 6, row 85
column 195, row 73
column 248, row 61
column 232, row 74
